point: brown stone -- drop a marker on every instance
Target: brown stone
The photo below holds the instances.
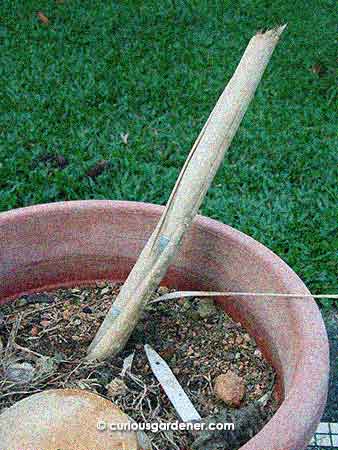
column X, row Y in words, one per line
column 230, row 388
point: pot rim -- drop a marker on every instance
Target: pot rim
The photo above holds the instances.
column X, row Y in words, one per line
column 310, row 380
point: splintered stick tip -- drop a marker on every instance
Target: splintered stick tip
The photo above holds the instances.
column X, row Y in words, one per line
column 273, row 32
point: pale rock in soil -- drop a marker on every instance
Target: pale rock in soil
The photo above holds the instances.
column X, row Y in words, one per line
column 230, row 388
column 67, row 419
column 20, row 372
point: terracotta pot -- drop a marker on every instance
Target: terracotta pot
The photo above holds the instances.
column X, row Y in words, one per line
column 63, row 244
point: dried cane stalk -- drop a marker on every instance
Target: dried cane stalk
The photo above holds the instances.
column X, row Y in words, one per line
column 193, row 182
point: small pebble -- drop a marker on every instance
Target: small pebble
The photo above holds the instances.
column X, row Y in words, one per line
column 67, row 314
column 230, row 388
column 247, row 337
column 87, row 310
column 34, row 331
column 239, row 340
column 258, row 353
column 162, row 290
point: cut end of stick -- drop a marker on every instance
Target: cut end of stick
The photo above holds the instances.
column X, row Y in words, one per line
column 273, row 32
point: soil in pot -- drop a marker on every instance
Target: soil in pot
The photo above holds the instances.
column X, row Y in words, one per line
column 45, row 337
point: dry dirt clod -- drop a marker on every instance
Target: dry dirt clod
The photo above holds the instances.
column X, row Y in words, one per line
column 67, row 314
column 42, row 18
column 206, row 308
column 230, row 388
column 98, row 168
column 61, row 161
column 116, row 387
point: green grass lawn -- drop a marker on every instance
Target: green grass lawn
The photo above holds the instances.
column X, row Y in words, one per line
column 154, row 70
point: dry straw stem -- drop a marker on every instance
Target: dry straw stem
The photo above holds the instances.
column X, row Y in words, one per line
column 185, row 294
column 192, row 184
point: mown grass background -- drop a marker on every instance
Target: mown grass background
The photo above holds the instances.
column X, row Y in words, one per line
column 154, row 70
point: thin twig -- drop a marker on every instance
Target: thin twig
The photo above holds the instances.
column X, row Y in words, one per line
column 27, row 350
